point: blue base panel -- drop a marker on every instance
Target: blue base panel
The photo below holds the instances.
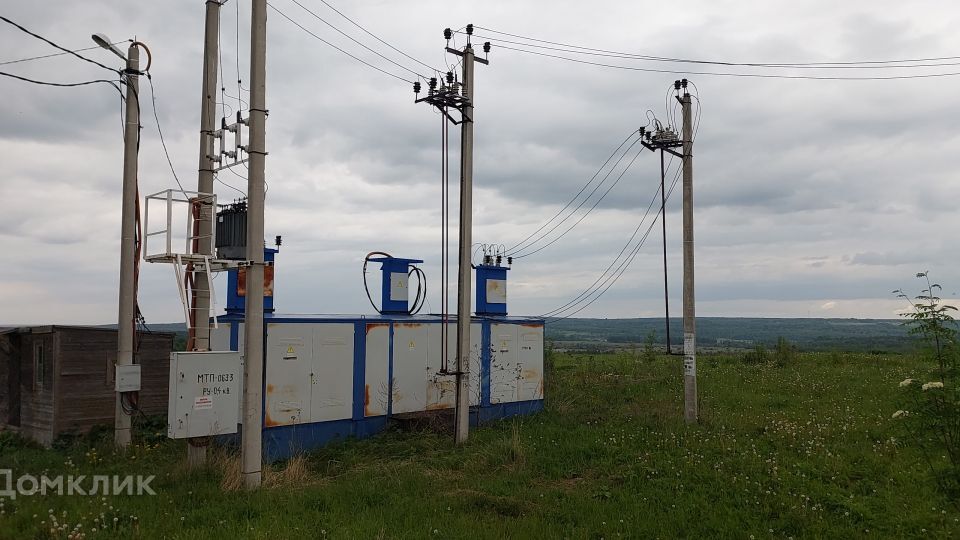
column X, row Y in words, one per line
column 283, row 442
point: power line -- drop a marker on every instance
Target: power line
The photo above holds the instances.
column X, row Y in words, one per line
column 613, row 278
column 587, row 213
column 41, row 57
column 585, row 186
column 816, row 65
column 730, row 74
column 374, row 36
column 368, row 64
column 163, row 143
column 65, row 50
column 351, row 38
column 594, row 287
column 590, row 289
column 62, row 85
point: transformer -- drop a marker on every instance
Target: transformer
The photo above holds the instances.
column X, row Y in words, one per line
column 237, row 285
column 491, row 289
column 395, row 283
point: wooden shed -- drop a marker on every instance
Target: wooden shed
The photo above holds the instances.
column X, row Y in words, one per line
column 57, row 380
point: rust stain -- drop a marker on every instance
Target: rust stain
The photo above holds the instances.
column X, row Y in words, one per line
column 269, row 389
column 366, row 399
column 410, row 325
column 371, row 326
column 530, row 374
column 267, row 281
column 268, row 421
column 533, row 325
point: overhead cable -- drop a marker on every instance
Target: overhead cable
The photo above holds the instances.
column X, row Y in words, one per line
column 731, row 74
column 585, row 186
column 851, row 64
column 65, row 50
column 351, row 38
column 368, row 64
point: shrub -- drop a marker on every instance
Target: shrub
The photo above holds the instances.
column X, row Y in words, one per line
column 931, row 405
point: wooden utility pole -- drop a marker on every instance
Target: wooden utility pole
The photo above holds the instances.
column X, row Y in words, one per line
column 251, row 438
column 690, row 412
column 196, row 451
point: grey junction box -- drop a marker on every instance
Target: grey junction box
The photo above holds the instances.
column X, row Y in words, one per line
column 205, row 392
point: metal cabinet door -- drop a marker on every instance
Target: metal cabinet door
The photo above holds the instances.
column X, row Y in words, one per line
column 289, row 363
column 331, row 378
column 504, row 363
column 530, row 357
column 376, row 369
column 409, row 367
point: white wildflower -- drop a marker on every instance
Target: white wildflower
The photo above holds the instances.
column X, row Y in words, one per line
column 906, row 382
column 934, row 384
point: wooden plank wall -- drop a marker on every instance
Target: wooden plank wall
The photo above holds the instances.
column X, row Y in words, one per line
column 6, row 389
column 36, row 400
column 86, row 360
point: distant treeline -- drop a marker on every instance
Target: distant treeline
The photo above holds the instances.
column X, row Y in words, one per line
column 876, row 335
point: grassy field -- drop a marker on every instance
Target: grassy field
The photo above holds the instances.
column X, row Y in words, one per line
column 802, row 450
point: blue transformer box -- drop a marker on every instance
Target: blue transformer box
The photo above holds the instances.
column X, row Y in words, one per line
column 491, row 290
column 237, row 285
column 395, row 290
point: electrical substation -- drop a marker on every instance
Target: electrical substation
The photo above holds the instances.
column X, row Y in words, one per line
column 329, row 376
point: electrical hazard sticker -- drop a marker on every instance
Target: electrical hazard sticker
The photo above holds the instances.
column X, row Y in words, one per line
column 412, row 345
column 291, row 353
column 203, row 403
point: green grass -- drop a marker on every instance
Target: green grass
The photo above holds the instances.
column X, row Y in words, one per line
column 801, row 450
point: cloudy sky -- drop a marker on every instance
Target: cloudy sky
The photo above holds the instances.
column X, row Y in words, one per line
column 813, row 198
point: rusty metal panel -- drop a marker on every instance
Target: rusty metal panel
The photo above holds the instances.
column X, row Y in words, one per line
column 504, row 363
column 376, row 391
column 409, row 367
column 331, row 377
column 530, row 357
column 441, row 390
column 289, row 363
column 267, row 281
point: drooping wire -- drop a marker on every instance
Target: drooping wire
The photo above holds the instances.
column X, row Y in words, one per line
column 854, row 64
column 368, row 64
column 732, row 74
column 519, row 253
column 594, row 286
column 52, row 55
column 65, row 50
column 574, row 198
column 163, row 143
column 587, row 213
column 351, row 38
column 374, row 36
column 61, row 85
column 240, row 101
column 583, row 300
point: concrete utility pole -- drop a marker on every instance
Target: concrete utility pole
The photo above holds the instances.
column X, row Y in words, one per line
column 197, row 453
column 126, row 322
column 465, row 268
column 689, row 311
column 448, row 98
column 251, row 444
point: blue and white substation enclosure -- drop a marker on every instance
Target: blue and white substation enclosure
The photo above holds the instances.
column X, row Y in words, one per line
column 336, row 376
